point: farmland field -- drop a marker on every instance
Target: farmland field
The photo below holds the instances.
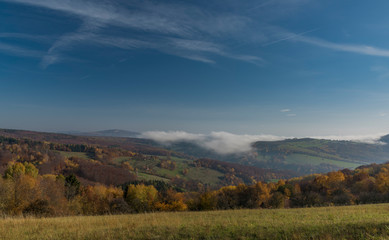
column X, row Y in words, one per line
column 351, row 222
column 206, row 175
column 313, row 160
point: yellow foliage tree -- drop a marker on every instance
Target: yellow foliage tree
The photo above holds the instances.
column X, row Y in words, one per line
column 142, row 198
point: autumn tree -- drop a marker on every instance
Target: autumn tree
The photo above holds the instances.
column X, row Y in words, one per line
column 72, row 186
column 171, row 201
column 98, row 199
column 141, row 198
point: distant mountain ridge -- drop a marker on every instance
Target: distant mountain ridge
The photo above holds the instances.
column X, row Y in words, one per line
column 385, row 139
column 106, row 133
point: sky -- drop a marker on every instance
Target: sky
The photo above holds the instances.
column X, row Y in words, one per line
column 291, row 68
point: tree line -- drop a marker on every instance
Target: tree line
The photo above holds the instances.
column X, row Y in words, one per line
column 36, row 180
column 23, row 191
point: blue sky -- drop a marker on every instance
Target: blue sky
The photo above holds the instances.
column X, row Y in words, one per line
column 286, row 68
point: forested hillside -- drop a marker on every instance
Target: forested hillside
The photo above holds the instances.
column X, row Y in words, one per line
column 296, row 156
column 302, row 156
column 315, row 156
column 112, row 165
column 50, row 179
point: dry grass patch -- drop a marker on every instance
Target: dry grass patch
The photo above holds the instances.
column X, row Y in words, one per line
column 351, row 222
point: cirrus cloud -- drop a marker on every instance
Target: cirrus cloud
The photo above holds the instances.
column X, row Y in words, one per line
column 181, row 29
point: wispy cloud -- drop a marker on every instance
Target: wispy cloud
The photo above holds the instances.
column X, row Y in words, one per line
column 353, row 48
column 207, row 47
column 182, row 30
column 277, row 35
column 67, row 41
column 288, row 37
column 381, row 71
column 288, row 112
column 18, row 51
column 196, row 45
column 37, row 38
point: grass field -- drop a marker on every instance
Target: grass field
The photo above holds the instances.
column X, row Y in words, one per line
column 148, row 177
column 352, row 222
column 312, row 160
column 73, row 154
column 205, row 175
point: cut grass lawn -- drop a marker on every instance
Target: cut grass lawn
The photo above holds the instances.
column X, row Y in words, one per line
column 351, row 222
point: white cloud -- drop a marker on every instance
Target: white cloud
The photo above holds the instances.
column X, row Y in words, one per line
column 18, row 51
column 67, row 41
column 196, row 45
column 37, row 38
column 368, row 138
column 277, row 35
column 288, row 36
column 359, row 49
column 177, row 29
column 172, row 136
column 381, row 71
column 180, row 29
column 288, row 113
column 229, row 143
column 225, row 143
column 220, row 142
column 186, row 47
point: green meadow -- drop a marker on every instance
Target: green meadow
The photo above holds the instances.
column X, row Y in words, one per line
column 350, row 222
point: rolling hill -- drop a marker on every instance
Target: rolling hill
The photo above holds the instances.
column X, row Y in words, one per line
column 116, row 161
column 297, row 156
column 302, row 156
column 105, row 133
column 314, row 155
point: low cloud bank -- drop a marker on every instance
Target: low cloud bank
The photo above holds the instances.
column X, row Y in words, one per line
column 220, row 142
column 370, row 138
column 229, row 143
